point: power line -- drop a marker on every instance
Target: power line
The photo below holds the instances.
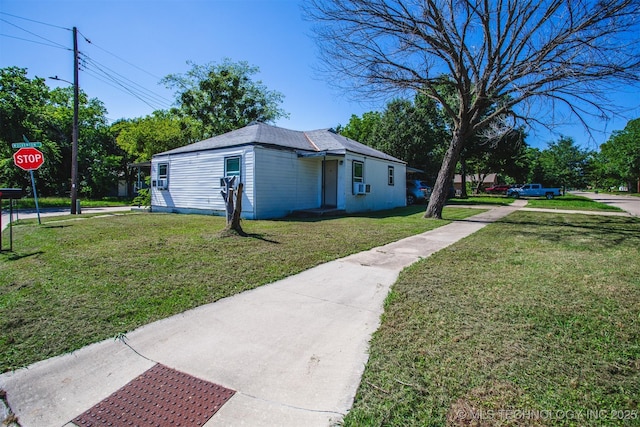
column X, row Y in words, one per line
column 96, row 69
column 32, row 33
column 35, row 41
column 37, row 22
column 119, row 86
column 125, row 84
column 118, row 57
column 92, row 62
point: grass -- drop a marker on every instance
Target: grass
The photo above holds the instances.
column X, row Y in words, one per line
column 71, row 282
column 534, row 320
column 571, row 202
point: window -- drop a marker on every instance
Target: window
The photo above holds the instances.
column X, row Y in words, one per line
column 232, row 166
column 162, row 182
column 357, row 178
column 390, row 179
column 358, row 171
column 163, row 168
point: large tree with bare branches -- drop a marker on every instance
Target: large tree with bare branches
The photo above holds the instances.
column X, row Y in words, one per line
column 506, row 62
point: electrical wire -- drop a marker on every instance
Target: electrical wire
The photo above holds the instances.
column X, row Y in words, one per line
column 35, row 41
column 118, row 57
column 123, row 83
column 34, row 34
column 95, row 69
column 37, row 22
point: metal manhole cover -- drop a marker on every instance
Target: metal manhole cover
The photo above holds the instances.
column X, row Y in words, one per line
column 159, row 397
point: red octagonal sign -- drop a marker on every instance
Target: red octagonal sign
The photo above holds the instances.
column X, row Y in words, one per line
column 28, row 158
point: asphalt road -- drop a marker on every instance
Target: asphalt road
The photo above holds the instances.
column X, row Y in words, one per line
column 630, row 204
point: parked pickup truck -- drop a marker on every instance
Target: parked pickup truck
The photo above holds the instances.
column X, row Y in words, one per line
column 533, row 190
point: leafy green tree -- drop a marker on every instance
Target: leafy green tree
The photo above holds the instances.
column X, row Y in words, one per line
column 362, row 129
column 143, row 137
column 29, row 108
column 223, row 97
column 101, row 163
column 23, row 112
column 505, row 156
column 564, row 164
column 619, row 158
column 411, row 131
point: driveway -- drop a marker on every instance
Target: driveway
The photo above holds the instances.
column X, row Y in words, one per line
column 629, row 204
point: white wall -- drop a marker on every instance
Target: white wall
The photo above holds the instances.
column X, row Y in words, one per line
column 194, row 181
column 382, row 195
column 284, row 182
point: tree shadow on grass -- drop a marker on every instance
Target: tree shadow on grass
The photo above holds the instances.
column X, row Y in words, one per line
column 599, row 231
column 397, row 212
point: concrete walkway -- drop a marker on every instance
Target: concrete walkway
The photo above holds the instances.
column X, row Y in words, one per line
column 293, row 350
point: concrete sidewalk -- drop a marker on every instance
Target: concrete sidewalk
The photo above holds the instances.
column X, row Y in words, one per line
column 293, row 350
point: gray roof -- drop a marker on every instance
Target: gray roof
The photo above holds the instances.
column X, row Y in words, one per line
column 323, row 140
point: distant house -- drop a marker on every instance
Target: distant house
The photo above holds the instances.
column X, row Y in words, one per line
column 282, row 171
column 485, row 180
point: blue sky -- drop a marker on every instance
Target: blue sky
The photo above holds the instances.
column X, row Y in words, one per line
column 144, row 40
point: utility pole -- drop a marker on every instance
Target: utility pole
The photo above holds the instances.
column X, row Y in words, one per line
column 74, row 136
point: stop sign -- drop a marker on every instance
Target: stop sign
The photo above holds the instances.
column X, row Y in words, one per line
column 28, row 158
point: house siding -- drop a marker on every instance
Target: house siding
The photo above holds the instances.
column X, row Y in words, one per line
column 194, row 182
column 285, row 183
column 381, row 195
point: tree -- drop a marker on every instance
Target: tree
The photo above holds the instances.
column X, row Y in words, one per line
column 506, row 157
column 29, row 108
column 411, row 131
column 23, row 111
column 497, row 56
column 223, row 97
column 362, row 129
column 620, row 155
column 143, row 137
column 564, row 163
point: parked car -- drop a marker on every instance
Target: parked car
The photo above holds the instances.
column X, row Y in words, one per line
column 417, row 191
column 534, row 190
column 502, row 189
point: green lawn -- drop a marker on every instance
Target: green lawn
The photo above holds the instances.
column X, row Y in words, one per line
column 74, row 281
column 534, row 320
column 571, row 201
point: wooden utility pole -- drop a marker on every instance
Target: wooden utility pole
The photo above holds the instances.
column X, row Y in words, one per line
column 74, row 136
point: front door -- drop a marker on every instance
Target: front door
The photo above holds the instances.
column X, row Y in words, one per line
column 330, row 184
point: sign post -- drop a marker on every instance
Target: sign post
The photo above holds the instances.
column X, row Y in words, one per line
column 29, row 158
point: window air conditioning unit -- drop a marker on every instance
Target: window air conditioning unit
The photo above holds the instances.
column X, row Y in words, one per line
column 162, row 184
column 359, row 188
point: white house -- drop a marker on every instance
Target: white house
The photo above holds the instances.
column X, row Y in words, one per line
column 282, row 171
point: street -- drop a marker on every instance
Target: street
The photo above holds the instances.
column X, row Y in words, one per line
column 629, row 204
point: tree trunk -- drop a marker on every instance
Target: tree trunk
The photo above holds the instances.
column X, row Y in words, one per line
column 445, row 177
column 234, row 224
column 463, row 178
